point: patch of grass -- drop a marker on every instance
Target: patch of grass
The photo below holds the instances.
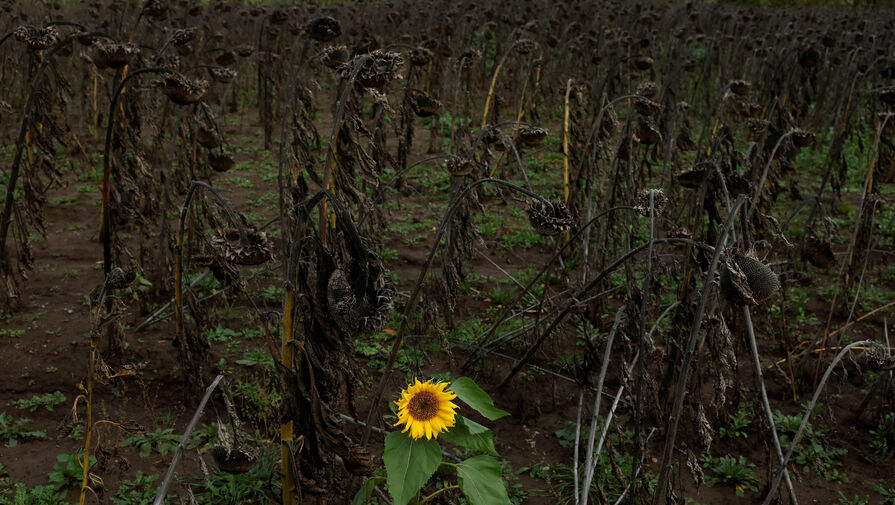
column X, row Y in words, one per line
column 524, row 238
column 66, row 201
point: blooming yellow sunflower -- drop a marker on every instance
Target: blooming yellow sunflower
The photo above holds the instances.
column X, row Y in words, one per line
column 426, row 409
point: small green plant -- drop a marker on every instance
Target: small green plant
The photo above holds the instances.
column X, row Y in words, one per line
column 11, row 333
column 883, row 442
column 11, row 430
column 811, row 452
column 258, row 356
column 68, row 471
column 47, row 401
column 272, row 294
column 566, row 434
column 857, row 500
column 257, row 398
column 888, row 494
column 163, row 441
column 139, row 491
column 250, row 487
column 739, row 422
column 387, row 254
column 500, row 294
column 737, row 472
column 20, row 494
column 77, row 432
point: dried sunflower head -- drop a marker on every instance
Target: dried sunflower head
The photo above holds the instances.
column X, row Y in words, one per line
column 549, row 217
column 222, row 74
column 747, row 281
column 887, row 95
column 233, row 460
column 36, row 38
column 244, row 50
column 256, row 250
column 184, row 36
column 643, row 63
column 360, row 302
column 468, row 58
column 819, row 251
column 155, row 8
column 422, row 104
column 740, row 87
column 459, row 167
column 181, row 90
column 335, row 56
column 646, row 107
column 531, row 136
column 120, row 278
column 323, row 29
column 490, row 135
column 420, row 56
column 609, row 123
column 757, row 126
column 803, row 138
column 112, row 54
column 879, row 357
column 226, row 58
column 220, row 161
column 659, row 202
column 524, row 46
column 376, row 69
column 208, row 137
column 648, row 90
column 692, row 178
column 647, row 133
column 278, row 17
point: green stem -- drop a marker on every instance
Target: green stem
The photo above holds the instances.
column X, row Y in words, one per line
column 436, row 493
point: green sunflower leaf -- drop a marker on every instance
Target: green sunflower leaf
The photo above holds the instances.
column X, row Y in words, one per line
column 365, row 491
column 409, row 464
column 480, row 480
column 475, row 397
column 471, row 435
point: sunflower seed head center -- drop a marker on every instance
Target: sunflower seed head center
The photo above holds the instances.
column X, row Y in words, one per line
column 423, row 406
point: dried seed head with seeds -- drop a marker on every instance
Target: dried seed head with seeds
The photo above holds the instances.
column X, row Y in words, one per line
column 642, row 206
column 549, row 217
column 37, row 39
column 376, row 69
column 747, row 281
column 181, row 90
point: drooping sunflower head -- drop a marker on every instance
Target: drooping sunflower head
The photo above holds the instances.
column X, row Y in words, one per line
column 426, row 409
